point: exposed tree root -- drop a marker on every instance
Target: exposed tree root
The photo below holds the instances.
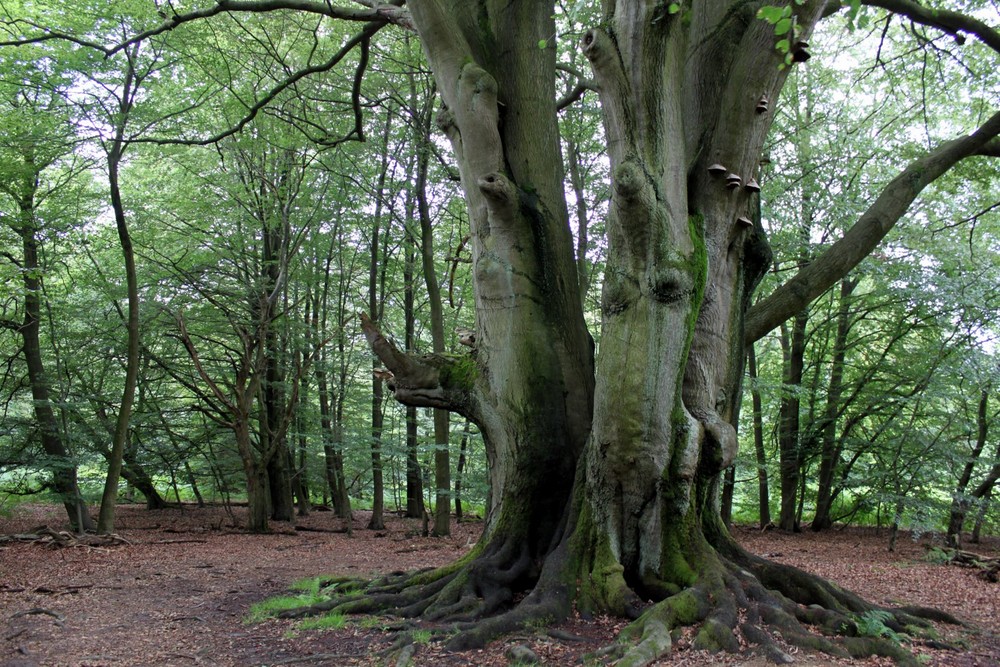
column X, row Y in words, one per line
column 475, row 596
column 738, row 603
column 733, row 609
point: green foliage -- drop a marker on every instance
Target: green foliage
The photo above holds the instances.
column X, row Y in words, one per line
column 324, row 622
column 872, row 623
column 265, row 609
column 938, row 556
column 421, row 636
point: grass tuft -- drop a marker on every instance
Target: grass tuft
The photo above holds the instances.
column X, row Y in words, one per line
column 332, row 621
column 265, row 609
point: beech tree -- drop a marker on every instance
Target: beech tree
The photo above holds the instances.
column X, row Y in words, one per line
column 604, row 471
column 684, row 91
column 32, row 146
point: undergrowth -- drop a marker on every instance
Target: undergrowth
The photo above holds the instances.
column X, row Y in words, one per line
column 873, row 622
column 270, row 607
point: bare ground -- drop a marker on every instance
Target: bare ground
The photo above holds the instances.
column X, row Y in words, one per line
column 179, row 590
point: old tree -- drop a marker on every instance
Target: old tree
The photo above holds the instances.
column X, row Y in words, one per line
column 604, row 477
column 605, row 469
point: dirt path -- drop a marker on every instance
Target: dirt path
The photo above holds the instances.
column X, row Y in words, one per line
column 179, row 592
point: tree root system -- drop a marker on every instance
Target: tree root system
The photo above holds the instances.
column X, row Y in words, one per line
column 739, row 603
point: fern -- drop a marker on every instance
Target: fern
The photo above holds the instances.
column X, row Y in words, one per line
column 872, row 623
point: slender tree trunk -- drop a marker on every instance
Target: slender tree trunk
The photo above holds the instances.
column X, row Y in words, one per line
column 763, row 494
column 422, row 111
column 582, row 221
column 193, row 482
column 414, row 474
column 981, row 518
column 106, row 519
column 258, row 500
column 62, row 466
column 728, row 489
column 334, row 466
column 375, row 308
column 788, row 422
column 960, row 503
column 460, row 469
column 831, row 447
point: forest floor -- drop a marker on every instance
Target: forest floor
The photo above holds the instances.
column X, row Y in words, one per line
column 179, row 591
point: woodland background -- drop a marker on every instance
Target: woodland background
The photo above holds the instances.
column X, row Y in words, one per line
column 251, row 249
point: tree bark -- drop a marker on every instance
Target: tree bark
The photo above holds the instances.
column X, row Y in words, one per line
column 414, row 473
column 680, row 93
column 106, row 518
column 31, row 150
column 763, row 494
column 960, row 503
column 61, row 463
column 442, row 456
column 375, row 297
column 793, row 348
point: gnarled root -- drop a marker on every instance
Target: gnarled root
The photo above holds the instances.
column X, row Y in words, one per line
column 746, row 604
column 474, row 595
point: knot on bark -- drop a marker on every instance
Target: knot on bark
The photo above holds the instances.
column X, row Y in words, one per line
column 500, row 192
column 478, row 82
column 670, row 285
column 598, row 48
column 618, row 295
column 445, row 120
column 719, row 441
column 630, row 181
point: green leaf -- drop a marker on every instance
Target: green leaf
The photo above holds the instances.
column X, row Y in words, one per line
column 542, row 43
column 770, row 13
column 783, row 45
column 782, row 26
column 674, row 7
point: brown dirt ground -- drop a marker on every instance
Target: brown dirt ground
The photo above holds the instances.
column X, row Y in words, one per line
column 179, row 591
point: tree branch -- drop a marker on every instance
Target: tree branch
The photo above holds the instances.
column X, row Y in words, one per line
column 990, row 149
column 361, row 38
column 375, row 12
column 583, row 84
column 430, row 380
column 613, row 86
column 859, row 241
column 951, row 22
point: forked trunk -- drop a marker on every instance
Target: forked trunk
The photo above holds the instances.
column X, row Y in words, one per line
column 635, row 458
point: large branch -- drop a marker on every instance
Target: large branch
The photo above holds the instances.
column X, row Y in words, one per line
column 382, row 13
column 865, row 235
column 951, row 22
column 430, row 380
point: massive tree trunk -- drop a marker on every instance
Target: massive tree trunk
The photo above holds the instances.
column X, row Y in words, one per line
column 528, row 383
column 634, row 459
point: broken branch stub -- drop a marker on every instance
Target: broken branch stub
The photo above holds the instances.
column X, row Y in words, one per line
column 428, row 380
